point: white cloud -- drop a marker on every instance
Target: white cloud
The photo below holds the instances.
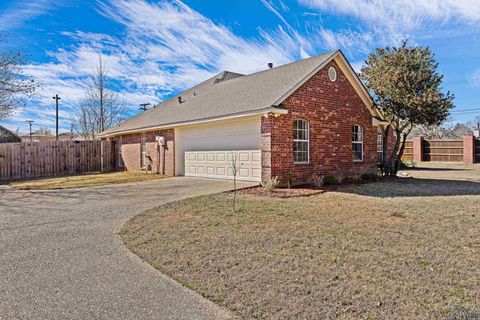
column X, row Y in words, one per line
column 24, row 11
column 475, row 79
column 304, row 44
column 405, row 13
column 347, row 39
column 166, row 47
column 393, row 21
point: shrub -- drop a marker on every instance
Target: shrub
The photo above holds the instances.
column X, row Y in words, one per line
column 329, row 180
column 271, row 184
column 368, row 176
column 318, row 180
column 381, row 169
column 290, row 179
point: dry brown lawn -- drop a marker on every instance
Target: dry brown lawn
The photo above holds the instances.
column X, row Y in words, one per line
column 85, row 180
column 404, row 249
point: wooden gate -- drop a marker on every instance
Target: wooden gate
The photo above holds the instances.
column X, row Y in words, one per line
column 477, row 150
column 56, row 158
column 443, row 150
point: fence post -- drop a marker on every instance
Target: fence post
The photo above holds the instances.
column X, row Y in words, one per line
column 418, row 149
column 468, row 149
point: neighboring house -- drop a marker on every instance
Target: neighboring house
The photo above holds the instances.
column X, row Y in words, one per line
column 296, row 121
column 7, row 136
column 69, row 136
column 37, row 137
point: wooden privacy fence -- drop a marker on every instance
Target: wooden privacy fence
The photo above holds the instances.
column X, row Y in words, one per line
column 56, row 158
column 408, row 152
column 463, row 150
column 477, row 150
column 443, row 150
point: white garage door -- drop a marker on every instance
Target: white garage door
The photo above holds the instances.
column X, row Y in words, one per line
column 216, row 139
column 221, row 164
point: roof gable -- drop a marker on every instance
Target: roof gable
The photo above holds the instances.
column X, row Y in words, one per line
column 350, row 74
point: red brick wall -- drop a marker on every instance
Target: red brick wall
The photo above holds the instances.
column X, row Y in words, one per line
column 331, row 108
column 128, row 151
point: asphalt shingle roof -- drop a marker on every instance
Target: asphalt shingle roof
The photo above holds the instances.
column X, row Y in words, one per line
column 225, row 94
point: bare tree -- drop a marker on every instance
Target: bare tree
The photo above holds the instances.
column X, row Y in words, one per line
column 85, row 122
column 15, row 86
column 441, row 132
column 102, row 107
column 234, row 165
column 44, row 131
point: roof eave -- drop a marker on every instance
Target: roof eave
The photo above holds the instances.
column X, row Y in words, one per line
column 264, row 111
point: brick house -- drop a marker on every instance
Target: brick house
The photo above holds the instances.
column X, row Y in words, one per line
column 307, row 118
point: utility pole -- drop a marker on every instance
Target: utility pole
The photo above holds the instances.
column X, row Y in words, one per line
column 143, row 106
column 30, row 123
column 56, row 98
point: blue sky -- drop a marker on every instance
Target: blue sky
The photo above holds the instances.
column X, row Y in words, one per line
column 154, row 49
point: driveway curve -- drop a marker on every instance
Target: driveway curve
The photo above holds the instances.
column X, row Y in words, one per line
column 61, row 256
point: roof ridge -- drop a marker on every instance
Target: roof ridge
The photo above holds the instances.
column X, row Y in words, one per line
column 293, row 62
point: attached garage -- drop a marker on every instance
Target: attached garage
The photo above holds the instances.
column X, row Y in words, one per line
column 221, row 164
column 208, row 150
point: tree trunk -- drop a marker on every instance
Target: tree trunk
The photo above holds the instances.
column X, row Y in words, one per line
column 392, row 158
column 392, row 164
column 400, row 153
column 386, row 133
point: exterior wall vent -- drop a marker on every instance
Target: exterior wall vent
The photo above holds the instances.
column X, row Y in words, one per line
column 332, row 74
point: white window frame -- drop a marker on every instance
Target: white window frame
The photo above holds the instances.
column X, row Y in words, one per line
column 360, row 142
column 380, row 146
column 307, row 140
column 143, row 151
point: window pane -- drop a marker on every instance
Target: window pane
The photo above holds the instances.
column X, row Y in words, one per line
column 300, row 141
column 357, row 151
column 357, row 134
column 380, row 148
column 300, row 152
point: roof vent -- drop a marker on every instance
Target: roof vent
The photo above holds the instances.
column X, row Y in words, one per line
column 180, row 100
column 270, row 65
column 332, row 74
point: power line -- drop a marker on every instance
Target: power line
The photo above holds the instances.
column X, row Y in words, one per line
column 464, row 110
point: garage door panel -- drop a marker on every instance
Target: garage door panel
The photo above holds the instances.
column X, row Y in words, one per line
column 256, row 156
column 215, row 140
column 257, row 173
column 219, row 164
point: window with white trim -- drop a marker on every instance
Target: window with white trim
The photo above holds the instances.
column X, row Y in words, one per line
column 143, row 151
column 301, row 141
column 357, row 142
column 379, row 145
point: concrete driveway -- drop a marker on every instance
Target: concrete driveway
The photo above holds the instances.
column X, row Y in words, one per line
column 61, row 256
